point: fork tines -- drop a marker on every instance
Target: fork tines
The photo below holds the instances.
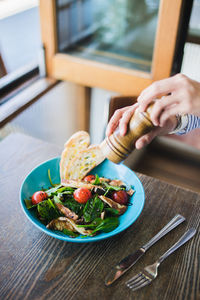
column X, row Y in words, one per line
column 138, row 281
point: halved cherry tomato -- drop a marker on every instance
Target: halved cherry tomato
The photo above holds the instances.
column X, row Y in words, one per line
column 38, row 197
column 82, row 195
column 120, row 197
column 89, row 178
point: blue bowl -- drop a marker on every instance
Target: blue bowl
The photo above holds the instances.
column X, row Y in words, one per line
column 38, row 179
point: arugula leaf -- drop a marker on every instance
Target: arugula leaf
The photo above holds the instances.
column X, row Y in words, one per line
column 49, row 175
column 52, row 191
column 93, row 209
column 112, row 188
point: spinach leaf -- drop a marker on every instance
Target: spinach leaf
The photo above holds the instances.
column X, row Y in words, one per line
column 29, row 204
column 74, row 206
column 112, row 211
column 93, row 209
column 70, row 233
column 93, row 224
column 107, row 225
column 47, row 210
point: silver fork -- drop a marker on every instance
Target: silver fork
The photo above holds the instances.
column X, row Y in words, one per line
column 150, row 272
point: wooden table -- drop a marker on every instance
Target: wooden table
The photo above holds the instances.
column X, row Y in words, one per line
column 36, row 266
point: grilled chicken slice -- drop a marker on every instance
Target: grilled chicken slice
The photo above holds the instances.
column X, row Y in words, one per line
column 78, row 183
column 67, row 212
column 116, row 183
column 119, row 207
column 81, row 230
column 66, row 223
column 60, row 224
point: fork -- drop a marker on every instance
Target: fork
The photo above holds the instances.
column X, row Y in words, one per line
column 150, row 272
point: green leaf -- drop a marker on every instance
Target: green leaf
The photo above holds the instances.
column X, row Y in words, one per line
column 70, row 233
column 74, row 206
column 47, row 210
column 29, row 204
column 53, row 191
column 112, row 211
column 107, row 225
column 93, row 209
column 49, row 175
column 93, row 224
column 56, row 199
column 97, row 180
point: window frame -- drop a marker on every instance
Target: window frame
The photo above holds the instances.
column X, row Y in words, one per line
column 124, row 81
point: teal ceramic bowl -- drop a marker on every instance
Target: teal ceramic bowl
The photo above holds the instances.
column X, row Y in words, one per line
column 38, row 179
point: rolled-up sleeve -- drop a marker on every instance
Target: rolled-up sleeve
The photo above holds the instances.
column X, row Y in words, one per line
column 193, row 123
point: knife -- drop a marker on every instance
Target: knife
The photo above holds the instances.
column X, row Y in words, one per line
column 126, row 263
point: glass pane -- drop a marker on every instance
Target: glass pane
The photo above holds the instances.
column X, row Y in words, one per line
column 194, row 26
column 117, row 32
column 20, row 41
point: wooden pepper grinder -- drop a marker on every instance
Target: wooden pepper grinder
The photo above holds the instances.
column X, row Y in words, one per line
column 116, row 147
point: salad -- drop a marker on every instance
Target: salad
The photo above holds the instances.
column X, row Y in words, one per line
column 81, row 207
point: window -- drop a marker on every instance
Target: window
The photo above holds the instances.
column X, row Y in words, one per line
column 114, row 32
column 20, row 43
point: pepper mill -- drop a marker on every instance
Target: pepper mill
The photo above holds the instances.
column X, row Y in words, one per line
column 116, row 147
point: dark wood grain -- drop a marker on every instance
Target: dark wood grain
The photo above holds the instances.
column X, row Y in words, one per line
column 36, row 266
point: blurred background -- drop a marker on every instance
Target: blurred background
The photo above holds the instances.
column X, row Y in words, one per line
column 110, row 35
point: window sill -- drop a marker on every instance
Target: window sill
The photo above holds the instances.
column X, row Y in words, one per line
column 25, row 98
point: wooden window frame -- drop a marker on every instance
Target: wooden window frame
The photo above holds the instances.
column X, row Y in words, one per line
column 95, row 74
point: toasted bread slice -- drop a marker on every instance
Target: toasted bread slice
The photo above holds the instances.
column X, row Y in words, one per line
column 77, row 142
column 84, row 162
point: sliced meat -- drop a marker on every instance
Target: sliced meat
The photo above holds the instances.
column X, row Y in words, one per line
column 78, row 183
column 119, row 207
column 60, row 224
column 104, row 179
column 66, row 223
column 67, row 212
column 116, row 183
column 81, row 230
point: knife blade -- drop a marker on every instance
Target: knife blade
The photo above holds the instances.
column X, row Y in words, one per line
column 126, row 263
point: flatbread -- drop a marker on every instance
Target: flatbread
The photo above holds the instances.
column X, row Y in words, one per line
column 77, row 142
column 85, row 161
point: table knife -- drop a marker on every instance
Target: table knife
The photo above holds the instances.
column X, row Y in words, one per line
column 126, row 263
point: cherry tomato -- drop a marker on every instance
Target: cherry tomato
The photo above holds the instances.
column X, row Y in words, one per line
column 89, row 178
column 38, row 197
column 120, row 197
column 82, row 195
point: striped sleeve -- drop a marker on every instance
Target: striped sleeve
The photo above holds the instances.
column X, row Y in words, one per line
column 193, row 123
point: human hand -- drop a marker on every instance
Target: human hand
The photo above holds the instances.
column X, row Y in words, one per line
column 167, row 127
column 181, row 95
column 121, row 118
